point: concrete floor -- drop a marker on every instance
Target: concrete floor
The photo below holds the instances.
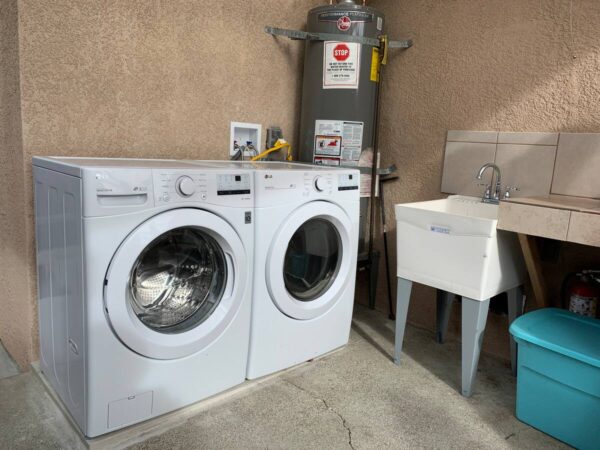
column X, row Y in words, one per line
column 354, row 398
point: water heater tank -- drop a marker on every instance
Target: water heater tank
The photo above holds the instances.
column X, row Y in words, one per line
column 341, row 80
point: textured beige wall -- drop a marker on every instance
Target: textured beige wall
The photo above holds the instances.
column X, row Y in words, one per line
column 143, row 78
column 164, row 78
column 510, row 65
column 16, row 311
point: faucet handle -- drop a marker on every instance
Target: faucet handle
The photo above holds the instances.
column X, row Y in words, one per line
column 488, row 190
column 508, row 189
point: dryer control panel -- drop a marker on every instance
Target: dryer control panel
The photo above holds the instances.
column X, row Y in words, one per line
column 278, row 187
column 348, row 182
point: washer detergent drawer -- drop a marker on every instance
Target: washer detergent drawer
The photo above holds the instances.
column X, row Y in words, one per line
column 132, row 409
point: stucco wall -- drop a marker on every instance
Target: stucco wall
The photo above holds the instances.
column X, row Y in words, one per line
column 510, row 65
column 145, row 79
column 15, row 316
column 164, row 78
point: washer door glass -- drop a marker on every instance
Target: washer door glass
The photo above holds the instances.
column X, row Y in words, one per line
column 312, row 259
column 178, row 280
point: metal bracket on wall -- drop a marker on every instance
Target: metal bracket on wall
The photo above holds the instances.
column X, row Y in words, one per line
column 405, row 43
column 298, row 35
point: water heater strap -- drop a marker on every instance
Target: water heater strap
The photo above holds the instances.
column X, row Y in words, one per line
column 405, row 43
column 306, row 36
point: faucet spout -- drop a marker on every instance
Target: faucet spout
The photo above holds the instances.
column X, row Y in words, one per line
column 487, row 166
column 489, row 196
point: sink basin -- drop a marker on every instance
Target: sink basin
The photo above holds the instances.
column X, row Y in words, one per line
column 453, row 245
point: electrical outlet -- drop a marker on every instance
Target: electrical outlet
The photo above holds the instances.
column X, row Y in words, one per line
column 246, row 137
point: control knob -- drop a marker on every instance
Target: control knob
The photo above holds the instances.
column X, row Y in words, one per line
column 185, row 186
column 320, row 183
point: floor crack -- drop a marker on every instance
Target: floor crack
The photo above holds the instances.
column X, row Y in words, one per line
column 328, row 407
column 512, row 435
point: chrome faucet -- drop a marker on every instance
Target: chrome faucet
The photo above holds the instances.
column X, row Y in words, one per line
column 490, row 196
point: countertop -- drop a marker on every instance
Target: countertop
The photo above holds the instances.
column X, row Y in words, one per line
column 571, row 219
column 581, row 204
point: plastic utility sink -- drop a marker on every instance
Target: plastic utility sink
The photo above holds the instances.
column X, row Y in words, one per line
column 453, row 245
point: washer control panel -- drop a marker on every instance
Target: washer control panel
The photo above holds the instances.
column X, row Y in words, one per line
column 215, row 187
column 171, row 187
column 185, row 186
column 233, row 184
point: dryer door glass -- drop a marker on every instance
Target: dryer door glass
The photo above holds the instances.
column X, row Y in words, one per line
column 178, row 280
column 312, row 259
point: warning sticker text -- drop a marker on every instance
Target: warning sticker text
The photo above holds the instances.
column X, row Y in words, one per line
column 341, row 65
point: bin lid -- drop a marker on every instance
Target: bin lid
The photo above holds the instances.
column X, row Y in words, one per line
column 561, row 331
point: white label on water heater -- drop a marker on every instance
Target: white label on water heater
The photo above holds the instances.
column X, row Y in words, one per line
column 339, row 140
column 341, row 65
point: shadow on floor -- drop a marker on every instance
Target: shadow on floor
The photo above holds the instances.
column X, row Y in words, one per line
column 8, row 368
column 494, row 395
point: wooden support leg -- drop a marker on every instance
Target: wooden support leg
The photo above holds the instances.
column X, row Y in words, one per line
column 402, row 301
column 474, row 317
column 532, row 261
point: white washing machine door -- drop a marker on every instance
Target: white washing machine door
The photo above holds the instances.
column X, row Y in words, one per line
column 175, row 283
column 309, row 260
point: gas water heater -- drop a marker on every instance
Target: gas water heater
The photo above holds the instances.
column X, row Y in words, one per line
column 340, row 86
column 345, row 48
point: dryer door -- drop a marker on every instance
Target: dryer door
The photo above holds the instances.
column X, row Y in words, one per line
column 309, row 261
column 175, row 283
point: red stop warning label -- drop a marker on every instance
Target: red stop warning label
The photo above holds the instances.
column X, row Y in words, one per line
column 341, row 65
column 341, row 52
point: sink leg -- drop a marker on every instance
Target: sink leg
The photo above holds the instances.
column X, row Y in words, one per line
column 516, row 305
column 402, row 301
column 444, row 308
column 474, row 317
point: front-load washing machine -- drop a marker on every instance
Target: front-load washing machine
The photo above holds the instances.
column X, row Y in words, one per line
column 306, row 228
column 144, row 280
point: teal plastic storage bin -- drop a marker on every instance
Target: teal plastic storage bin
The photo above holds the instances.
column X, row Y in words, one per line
column 558, row 375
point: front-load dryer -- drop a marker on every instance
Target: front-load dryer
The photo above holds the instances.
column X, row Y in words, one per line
column 144, row 281
column 306, row 245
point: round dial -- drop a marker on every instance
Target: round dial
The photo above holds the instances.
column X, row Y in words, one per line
column 320, row 184
column 185, row 186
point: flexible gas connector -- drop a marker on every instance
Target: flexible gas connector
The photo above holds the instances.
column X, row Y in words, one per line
column 281, row 143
